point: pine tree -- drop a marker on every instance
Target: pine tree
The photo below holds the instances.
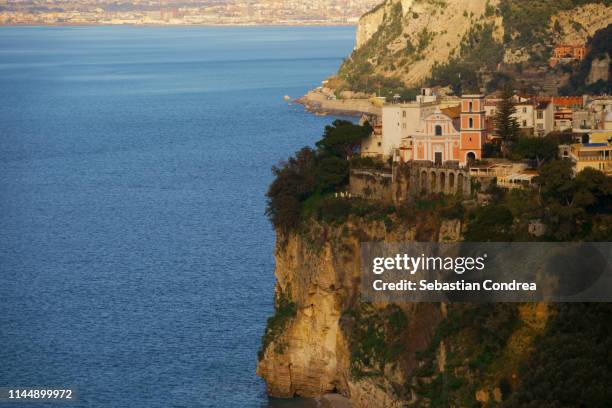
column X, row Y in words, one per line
column 506, row 124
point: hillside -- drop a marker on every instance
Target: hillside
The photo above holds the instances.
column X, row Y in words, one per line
column 406, row 43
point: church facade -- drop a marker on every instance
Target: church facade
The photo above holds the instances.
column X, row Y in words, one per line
column 446, row 137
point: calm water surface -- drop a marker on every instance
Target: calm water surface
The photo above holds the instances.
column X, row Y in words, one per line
column 136, row 261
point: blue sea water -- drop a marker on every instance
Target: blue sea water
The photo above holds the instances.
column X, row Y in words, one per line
column 136, row 260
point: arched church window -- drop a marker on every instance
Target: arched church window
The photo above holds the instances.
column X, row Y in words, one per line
column 438, row 130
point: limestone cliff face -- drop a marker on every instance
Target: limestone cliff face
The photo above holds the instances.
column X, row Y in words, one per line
column 406, row 39
column 579, row 24
column 369, row 23
column 320, row 272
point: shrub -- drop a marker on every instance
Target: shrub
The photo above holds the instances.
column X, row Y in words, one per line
column 535, row 148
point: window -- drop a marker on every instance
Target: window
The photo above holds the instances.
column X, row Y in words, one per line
column 524, row 123
column 470, row 106
column 524, row 110
column 379, row 144
column 404, row 113
column 470, row 123
column 540, row 115
column 438, row 130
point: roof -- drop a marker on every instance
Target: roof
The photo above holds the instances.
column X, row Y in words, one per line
column 567, row 100
column 452, row 111
column 525, row 175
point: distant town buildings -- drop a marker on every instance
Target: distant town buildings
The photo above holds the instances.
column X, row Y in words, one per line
column 142, row 12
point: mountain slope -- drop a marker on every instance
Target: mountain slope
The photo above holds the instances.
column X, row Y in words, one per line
column 405, row 43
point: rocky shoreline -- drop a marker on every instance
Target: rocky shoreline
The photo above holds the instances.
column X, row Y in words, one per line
column 322, row 101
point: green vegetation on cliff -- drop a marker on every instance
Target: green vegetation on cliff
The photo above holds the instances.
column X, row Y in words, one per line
column 376, row 337
column 478, row 50
column 302, row 181
column 526, row 22
column 571, row 363
column 357, row 70
column 474, row 337
column 572, row 208
column 519, row 355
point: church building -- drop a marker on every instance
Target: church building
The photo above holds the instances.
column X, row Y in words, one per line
column 448, row 135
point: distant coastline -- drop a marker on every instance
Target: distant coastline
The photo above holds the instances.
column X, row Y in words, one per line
column 86, row 24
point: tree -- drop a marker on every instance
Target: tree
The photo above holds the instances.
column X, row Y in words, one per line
column 506, row 124
column 535, row 148
column 294, row 182
column 311, row 174
column 342, row 138
column 571, row 203
column 556, row 182
column 594, row 191
column 331, row 172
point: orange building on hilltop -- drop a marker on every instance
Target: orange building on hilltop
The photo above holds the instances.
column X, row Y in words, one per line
column 567, row 53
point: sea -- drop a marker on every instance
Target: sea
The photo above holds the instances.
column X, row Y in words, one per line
column 136, row 260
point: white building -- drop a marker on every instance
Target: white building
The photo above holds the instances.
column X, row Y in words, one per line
column 399, row 120
column 544, row 120
column 525, row 115
column 534, row 118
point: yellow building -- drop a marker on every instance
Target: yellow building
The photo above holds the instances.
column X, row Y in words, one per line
column 594, row 155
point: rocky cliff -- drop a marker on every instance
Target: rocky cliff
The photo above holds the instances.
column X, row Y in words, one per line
column 324, row 339
column 319, row 272
column 406, row 42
